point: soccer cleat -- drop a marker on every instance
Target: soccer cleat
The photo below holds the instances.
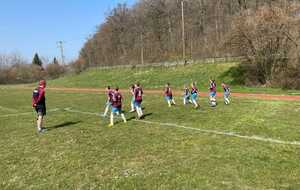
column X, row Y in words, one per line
column 42, row 130
column 110, row 125
column 131, row 111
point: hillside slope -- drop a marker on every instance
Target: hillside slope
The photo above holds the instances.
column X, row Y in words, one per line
column 149, row 77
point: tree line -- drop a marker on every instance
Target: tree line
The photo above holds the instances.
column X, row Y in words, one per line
column 151, row 30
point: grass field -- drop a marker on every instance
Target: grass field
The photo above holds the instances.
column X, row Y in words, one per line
column 241, row 146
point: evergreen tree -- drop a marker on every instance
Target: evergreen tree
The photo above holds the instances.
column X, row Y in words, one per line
column 55, row 61
column 37, row 61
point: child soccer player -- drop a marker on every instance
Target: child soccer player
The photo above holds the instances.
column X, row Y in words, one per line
column 194, row 95
column 132, row 88
column 39, row 103
column 116, row 107
column 213, row 93
column 138, row 98
column 226, row 93
column 186, row 95
column 169, row 95
column 109, row 93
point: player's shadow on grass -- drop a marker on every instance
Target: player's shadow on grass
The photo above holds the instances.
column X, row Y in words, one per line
column 133, row 117
column 65, row 124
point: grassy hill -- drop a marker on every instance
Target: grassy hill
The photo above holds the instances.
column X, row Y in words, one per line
column 156, row 77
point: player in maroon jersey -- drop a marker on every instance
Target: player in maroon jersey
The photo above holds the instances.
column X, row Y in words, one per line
column 116, row 106
column 138, row 98
column 169, row 95
column 39, row 104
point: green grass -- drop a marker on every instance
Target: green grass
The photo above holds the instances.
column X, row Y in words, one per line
column 80, row 152
column 156, row 77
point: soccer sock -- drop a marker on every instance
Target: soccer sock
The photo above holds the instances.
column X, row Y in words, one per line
column 169, row 103
column 195, row 103
column 123, row 117
column 106, row 110
column 39, row 122
column 184, row 101
column 173, row 101
column 141, row 111
column 111, row 119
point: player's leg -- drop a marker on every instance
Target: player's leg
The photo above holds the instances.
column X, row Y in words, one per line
column 132, row 105
column 108, row 104
column 122, row 116
column 113, row 111
column 184, row 100
column 173, row 101
column 194, row 100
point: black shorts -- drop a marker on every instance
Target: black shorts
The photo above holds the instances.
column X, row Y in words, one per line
column 40, row 110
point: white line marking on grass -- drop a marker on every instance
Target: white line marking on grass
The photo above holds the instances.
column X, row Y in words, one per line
column 26, row 113
column 223, row 133
column 8, row 109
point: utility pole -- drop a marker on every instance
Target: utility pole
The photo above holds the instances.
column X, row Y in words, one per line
column 61, row 47
column 183, row 31
column 142, row 49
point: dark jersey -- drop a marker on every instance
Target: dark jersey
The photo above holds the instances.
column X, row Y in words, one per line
column 186, row 92
column 116, row 100
column 168, row 92
column 213, row 87
column 38, row 97
column 138, row 94
column 194, row 90
column 226, row 89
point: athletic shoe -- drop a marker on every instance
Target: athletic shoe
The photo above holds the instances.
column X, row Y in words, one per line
column 42, row 130
column 110, row 125
column 131, row 111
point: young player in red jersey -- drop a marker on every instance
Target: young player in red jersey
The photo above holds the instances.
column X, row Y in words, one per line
column 138, row 98
column 39, row 103
column 109, row 93
column 116, row 107
column 213, row 93
column 169, row 95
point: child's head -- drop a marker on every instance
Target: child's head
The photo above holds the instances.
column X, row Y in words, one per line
column 108, row 87
column 117, row 89
column 168, row 84
column 193, row 84
column 223, row 84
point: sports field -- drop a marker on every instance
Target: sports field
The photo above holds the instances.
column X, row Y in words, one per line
column 250, row 144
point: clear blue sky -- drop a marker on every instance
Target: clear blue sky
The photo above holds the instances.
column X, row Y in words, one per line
column 29, row 26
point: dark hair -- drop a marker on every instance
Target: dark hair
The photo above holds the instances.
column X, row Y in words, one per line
column 108, row 87
column 117, row 88
column 138, row 84
column 168, row 83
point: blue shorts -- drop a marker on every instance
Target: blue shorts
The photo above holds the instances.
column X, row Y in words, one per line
column 212, row 94
column 194, row 96
column 137, row 104
column 168, row 98
column 116, row 110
